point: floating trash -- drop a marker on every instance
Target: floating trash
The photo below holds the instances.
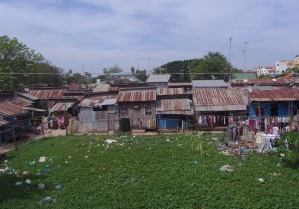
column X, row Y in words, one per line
column 195, row 162
column 32, row 163
column 48, row 199
column 227, row 168
column 110, row 141
column 47, row 166
column 41, row 186
column 42, row 159
column 47, row 171
column 26, row 173
column 59, row 187
column 86, row 156
column 66, row 162
column 70, row 157
column 5, row 161
column 28, row 181
column 38, row 174
column 261, row 180
column 19, row 183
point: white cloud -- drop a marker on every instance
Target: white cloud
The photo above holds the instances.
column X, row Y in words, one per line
column 150, row 33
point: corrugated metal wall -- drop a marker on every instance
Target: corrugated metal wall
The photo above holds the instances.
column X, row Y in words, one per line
column 97, row 121
column 136, row 112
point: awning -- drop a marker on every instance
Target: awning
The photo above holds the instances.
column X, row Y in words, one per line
column 61, row 106
column 3, row 122
column 108, row 102
column 33, row 109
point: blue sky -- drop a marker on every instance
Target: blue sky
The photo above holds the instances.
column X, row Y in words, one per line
column 98, row 34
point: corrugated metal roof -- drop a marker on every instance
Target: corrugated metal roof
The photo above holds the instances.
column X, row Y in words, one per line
column 219, row 99
column 11, row 107
column 179, row 84
column 209, row 84
column 277, row 94
column 137, row 96
column 164, row 78
column 170, row 91
column 109, row 102
column 95, row 100
column 103, row 87
column 47, row 93
column 22, row 102
column 61, row 106
column 34, row 109
column 174, row 106
column 266, row 81
column 243, row 76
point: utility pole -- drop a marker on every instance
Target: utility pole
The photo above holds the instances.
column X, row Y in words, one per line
column 245, row 43
column 230, row 69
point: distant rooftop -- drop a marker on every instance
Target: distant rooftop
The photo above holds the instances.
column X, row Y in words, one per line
column 209, row 84
column 120, row 74
column 164, row 78
column 242, row 76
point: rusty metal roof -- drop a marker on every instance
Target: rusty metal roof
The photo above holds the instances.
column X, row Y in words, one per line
column 61, row 106
column 170, row 91
column 137, row 96
column 47, row 93
column 174, row 106
column 12, row 107
column 277, row 94
column 21, row 102
column 218, row 99
column 95, row 100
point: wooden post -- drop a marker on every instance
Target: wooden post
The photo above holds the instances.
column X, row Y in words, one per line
column 65, row 119
column 14, row 137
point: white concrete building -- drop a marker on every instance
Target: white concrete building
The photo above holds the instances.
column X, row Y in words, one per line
column 270, row 70
column 282, row 66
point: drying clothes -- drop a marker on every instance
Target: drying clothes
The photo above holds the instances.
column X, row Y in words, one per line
column 200, row 120
column 251, row 124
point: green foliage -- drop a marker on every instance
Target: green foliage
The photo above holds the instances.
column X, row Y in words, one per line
column 141, row 75
column 144, row 172
column 20, row 66
column 207, row 67
column 178, row 69
column 210, row 65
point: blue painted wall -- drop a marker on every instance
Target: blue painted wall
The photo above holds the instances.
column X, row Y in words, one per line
column 283, row 109
column 168, row 123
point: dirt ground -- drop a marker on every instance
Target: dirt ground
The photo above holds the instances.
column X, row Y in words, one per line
column 47, row 133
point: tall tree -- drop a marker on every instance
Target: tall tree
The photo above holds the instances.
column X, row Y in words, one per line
column 214, row 65
column 20, row 65
column 133, row 70
column 178, row 69
column 141, row 75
